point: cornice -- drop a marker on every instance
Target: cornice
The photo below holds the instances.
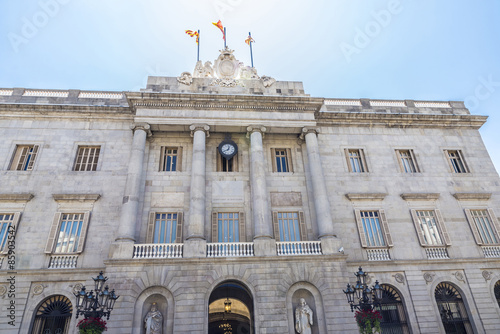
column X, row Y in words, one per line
column 35, row 107
column 472, row 196
column 365, row 196
column 420, row 196
column 16, row 197
column 76, row 197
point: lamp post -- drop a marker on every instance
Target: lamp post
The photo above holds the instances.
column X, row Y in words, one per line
column 361, row 296
column 96, row 305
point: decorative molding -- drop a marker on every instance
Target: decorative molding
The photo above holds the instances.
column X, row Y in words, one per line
column 77, row 287
column 37, row 289
column 428, row 277
column 199, row 127
column 16, row 197
column 256, row 128
column 420, row 196
column 76, row 197
column 459, row 276
column 365, row 196
column 3, row 289
column 472, row 196
column 305, row 131
column 142, row 126
column 399, row 278
column 487, row 275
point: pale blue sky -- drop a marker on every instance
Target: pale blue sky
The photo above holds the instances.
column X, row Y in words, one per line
column 381, row 49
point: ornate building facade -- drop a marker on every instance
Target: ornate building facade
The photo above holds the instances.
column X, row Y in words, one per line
column 223, row 188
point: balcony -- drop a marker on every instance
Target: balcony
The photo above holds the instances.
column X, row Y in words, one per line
column 437, row 253
column 378, row 254
column 292, row 248
column 491, row 251
column 157, row 251
column 63, row 261
column 230, row 249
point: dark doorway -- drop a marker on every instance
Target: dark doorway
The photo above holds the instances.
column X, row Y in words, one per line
column 53, row 316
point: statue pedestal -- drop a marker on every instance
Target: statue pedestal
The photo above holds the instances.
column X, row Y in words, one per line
column 264, row 247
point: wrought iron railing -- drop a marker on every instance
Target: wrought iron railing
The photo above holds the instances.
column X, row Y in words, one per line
column 157, row 251
column 230, row 249
column 285, row 248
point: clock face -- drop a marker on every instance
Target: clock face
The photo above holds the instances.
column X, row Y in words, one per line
column 228, row 149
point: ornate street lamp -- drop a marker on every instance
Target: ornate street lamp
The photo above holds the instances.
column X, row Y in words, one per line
column 361, row 296
column 96, row 305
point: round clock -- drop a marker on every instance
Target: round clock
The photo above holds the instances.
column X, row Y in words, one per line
column 228, row 149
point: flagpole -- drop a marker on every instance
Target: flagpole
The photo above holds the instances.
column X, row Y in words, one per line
column 225, row 37
column 198, row 56
column 251, row 54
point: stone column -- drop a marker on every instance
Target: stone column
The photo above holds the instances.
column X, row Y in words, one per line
column 133, row 187
column 324, row 221
column 195, row 241
column 264, row 244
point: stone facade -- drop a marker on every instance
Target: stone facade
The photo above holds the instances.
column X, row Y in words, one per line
column 265, row 118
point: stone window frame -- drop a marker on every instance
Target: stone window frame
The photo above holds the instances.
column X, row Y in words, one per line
column 4, row 232
column 411, row 158
column 493, row 222
column 50, row 247
column 28, row 158
column 287, row 156
column 361, row 157
column 301, row 218
column 152, row 222
column 384, row 227
column 241, row 224
column 163, row 154
column 454, row 168
column 95, row 165
column 440, row 225
column 221, row 162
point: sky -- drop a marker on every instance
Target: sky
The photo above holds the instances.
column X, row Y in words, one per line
column 446, row 50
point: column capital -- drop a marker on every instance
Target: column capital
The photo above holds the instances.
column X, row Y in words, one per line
column 256, row 128
column 199, row 127
column 142, row 126
column 307, row 130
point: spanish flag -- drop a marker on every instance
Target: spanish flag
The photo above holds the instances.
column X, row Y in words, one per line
column 192, row 34
column 221, row 27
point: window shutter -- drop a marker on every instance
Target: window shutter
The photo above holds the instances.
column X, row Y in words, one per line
column 466, row 168
column 215, row 230
column 289, row 160
column 162, row 159
column 385, row 227
column 243, row 233
column 235, row 162
column 495, row 224
column 52, row 234
column 151, row 228
column 473, row 226
column 346, row 153
column 33, row 157
column 273, row 158
column 363, row 161
column 81, row 241
column 180, row 222
column 415, row 163
column 442, row 227
column 302, row 224
column 362, row 236
column 400, row 162
column 179, row 159
column 218, row 161
column 416, row 222
column 276, row 226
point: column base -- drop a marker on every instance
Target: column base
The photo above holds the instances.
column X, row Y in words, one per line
column 264, row 247
column 331, row 245
column 195, row 248
column 121, row 250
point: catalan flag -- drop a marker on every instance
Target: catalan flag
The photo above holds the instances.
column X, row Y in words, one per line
column 192, row 34
column 221, row 27
column 249, row 40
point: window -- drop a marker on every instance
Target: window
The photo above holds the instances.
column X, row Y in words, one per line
column 407, row 161
column 282, row 160
column 430, row 228
column 68, row 232
column 24, row 157
column 484, row 226
column 289, row 226
column 164, row 227
column 373, row 228
column 228, row 227
column 170, row 159
column 227, row 165
column 456, row 161
column 53, row 316
column 452, row 309
column 496, row 290
column 392, row 311
column 86, row 158
column 8, row 227
column 356, row 160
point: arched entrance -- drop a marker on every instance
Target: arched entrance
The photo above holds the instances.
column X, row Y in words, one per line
column 230, row 309
column 53, row 316
column 452, row 309
column 393, row 312
column 497, row 292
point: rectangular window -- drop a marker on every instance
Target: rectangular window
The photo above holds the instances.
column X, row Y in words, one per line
column 373, row 228
column 227, row 165
column 68, row 233
column 165, row 228
column 282, row 160
column 483, row 225
column 407, row 161
column 289, row 225
column 356, row 160
column 24, row 157
column 86, row 158
column 456, row 161
column 170, row 159
column 228, row 227
column 428, row 227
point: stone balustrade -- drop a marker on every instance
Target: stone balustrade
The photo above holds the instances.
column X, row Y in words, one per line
column 286, row 248
column 491, row 251
column 230, row 249
column 63, row 261
column 378, row 254
column 437, row 253
column 157, row 251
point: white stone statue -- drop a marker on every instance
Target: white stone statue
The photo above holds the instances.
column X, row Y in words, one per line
column 185, row 78
column 153, row 321
column 303, row 318
column 203, row 71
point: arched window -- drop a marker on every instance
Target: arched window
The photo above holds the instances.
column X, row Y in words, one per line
column 53, row 316
column 497, row 292
column 393, row 312
column 452, row 309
